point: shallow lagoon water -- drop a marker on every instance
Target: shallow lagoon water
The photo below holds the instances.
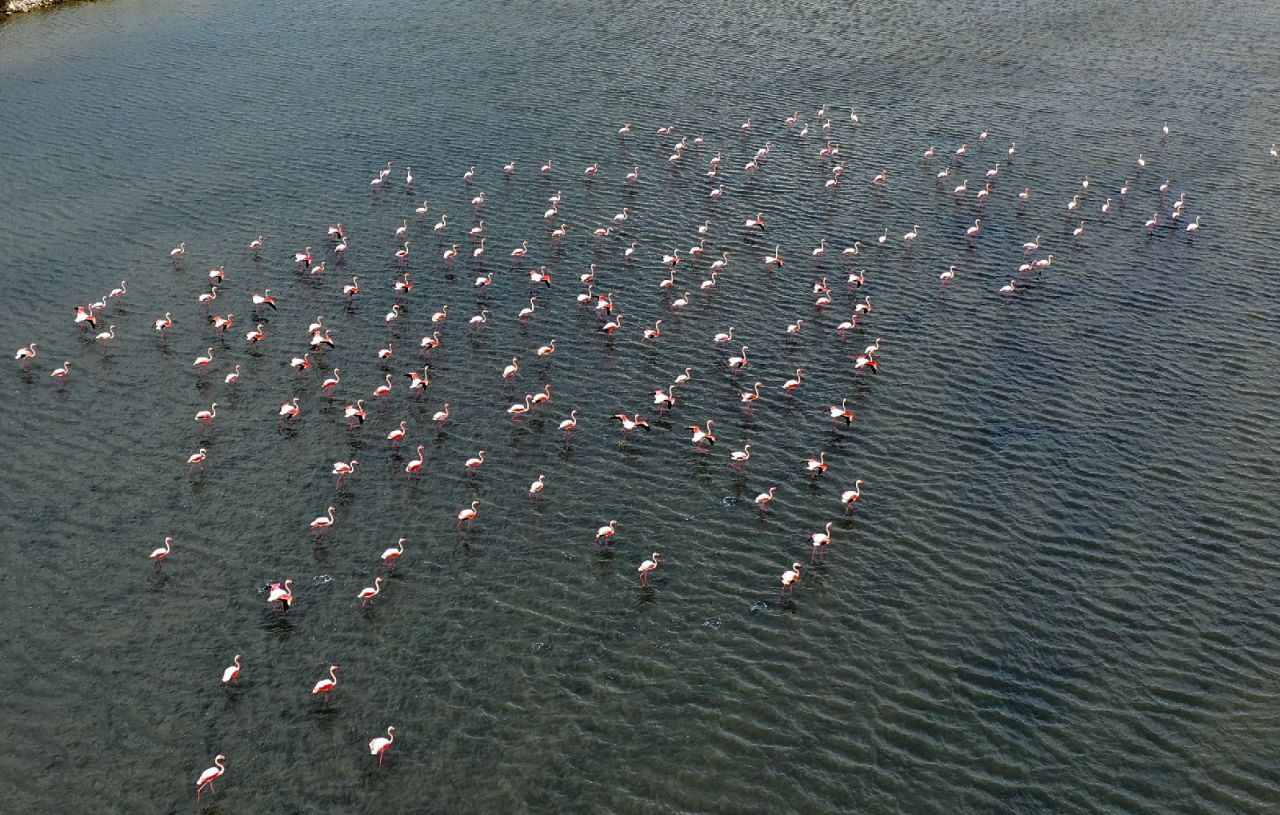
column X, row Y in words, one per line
column 1057, row 594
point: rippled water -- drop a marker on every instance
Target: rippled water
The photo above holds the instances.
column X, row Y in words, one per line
column 1057, row 595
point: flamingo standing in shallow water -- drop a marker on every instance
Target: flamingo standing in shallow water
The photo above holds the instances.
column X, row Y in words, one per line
column 790, row 577
column 327, row 684
column 606, row 532
column 367, row 594
column 158, row 555
column 210, row 775
column 850, row 497
column 391, row 554
column 648, row 566
column 323, row 522
column 467, row 515
column 379, row 746
column 415, row 465
column 231, row 674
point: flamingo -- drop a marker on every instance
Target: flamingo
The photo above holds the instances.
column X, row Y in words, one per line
column 323, row 522
column 740, row 456
column 158, row 555
column 390, row 555
column 791, row 384
column 606, row 532
column 197, row 457
column 344, row 468
column 544, row 396
column 441, row 416
column 765, row 498
column 752, row 395
column 1008, row 287
column 536, row 488
column 289, row 410
column 468, row 514
column 776, row 258
column 737, row 362
column 397, row 434
column 948, row 274
column 850, row 497
column 841, row 412
column 203, row 361
column 476, row 461
column 212, row 774
column 353, row 288
column 852, row 251
column 367, row 594
column 790, row 577
column 281, row 593
column 441, row 225
column 630, row 423
column 264, row 299
column 63, row 372
column 571, row 422
column 546, row 350
column 109, row 334
column 233, row 377
column 864, row 307
column 700, row 435
column 26, row 354
column 179, row 251
column 910, row 237
column 820, row 539
column 818, row 465
column 379, row 746
column 231, row 674
column 1193, row 228
column 258, row 242
column 208, row 415
column 518, row 409
column 648, row 566
column 327, row 684
column 540, row 276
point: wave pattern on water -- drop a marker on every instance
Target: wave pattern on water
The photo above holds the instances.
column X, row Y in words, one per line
column 1056, row 594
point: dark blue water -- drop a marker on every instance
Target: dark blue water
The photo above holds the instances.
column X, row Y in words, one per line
column 1056, row 594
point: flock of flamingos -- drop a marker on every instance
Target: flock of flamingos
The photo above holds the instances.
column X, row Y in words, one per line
column 610, row 317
